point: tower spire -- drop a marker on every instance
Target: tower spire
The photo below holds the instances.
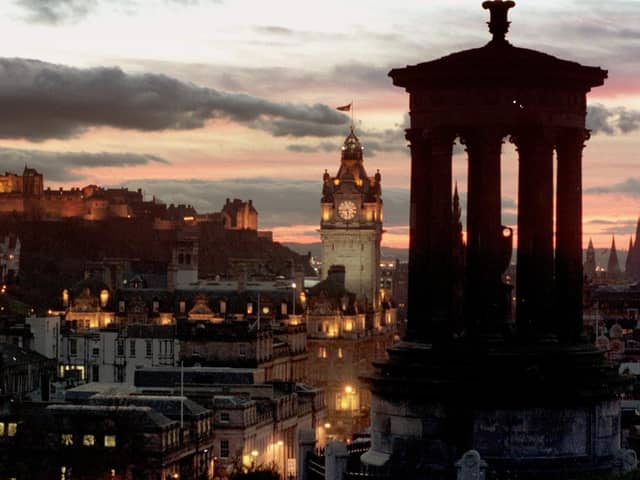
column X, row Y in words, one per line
column 613, row 266
column 590, row 262
column 628, row 264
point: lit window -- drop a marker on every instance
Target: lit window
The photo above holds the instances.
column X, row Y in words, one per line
column 1, row 429
column 109, row 441
column 88, row 440
column 224, row 417
column 67, row 439
column 12, row 428
column 340, row 355
column 322, row 352
column 120, row 348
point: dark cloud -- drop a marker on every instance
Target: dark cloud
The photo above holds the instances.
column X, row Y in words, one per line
column 274, row 30
column 54, row 12
column 278, row 201
column 340, row 79
column 621, row 228
column 373, row 141
column 298, row 128
column 43, row 100
column 601, row 119
column 63, row 166
column 325, row 147
column 631, row 187
column 599, row 221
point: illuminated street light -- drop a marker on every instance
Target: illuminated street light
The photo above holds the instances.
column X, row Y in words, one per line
column 293, row 298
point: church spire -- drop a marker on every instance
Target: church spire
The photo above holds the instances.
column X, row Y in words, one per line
column 628, row 264
column 457, row 212
column 590, row 262
column 613, row 265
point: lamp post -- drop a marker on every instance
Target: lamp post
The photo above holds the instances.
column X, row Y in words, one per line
column 293, row 298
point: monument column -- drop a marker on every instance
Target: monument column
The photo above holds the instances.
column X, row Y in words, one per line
column 569, row 232
column 535, row 230
column 484, row 272
column 430, row 235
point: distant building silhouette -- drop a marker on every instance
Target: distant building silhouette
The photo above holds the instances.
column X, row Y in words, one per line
column 613, row 265
column 590, row 266
column 632, row 266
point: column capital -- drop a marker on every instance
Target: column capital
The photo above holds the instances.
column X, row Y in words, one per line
column 471, row 136
column 423, row 134
column 574, row 136
column 536, row 137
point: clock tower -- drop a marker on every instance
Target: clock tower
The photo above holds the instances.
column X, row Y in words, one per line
column 351, row 223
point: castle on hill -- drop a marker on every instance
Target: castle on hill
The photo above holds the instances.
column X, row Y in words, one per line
column 24, row 195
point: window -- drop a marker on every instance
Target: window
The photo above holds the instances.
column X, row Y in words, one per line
column 148, row 345
column 340, row 354
column 156, row 306
column 12, row 428
column 67, row 439
column 224, row 417
column 132, row 348
column 183, row 306
column 120, row 373
column 88, row 440
column 1, row 429
column 95, row 373
column 166, row 347
column 322, row 352
column 243, row 350
column 120, row 348
column 73, row 346
column 121, row 306
column 224, row 448
column 109, row 441
column 95, row 351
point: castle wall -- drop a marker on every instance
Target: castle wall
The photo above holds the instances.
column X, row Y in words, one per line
column 12, row 203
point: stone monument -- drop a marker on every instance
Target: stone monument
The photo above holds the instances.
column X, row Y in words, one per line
column 532, row 397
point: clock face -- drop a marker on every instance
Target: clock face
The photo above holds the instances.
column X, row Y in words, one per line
column 347, row 210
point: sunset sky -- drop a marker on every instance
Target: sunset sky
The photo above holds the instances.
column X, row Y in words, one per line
column 198, row 100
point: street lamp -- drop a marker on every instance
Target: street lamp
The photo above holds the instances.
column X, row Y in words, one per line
column 293, row 298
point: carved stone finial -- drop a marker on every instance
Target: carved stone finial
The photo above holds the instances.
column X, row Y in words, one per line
column 498, row 23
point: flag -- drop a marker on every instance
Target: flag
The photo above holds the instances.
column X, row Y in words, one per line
column 344, row 108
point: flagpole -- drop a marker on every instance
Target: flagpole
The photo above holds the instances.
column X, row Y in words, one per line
column 353, row 107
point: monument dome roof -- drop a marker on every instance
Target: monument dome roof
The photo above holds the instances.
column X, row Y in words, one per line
column 498, row 63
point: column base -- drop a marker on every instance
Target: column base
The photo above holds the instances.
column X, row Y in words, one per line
column 542, row 410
